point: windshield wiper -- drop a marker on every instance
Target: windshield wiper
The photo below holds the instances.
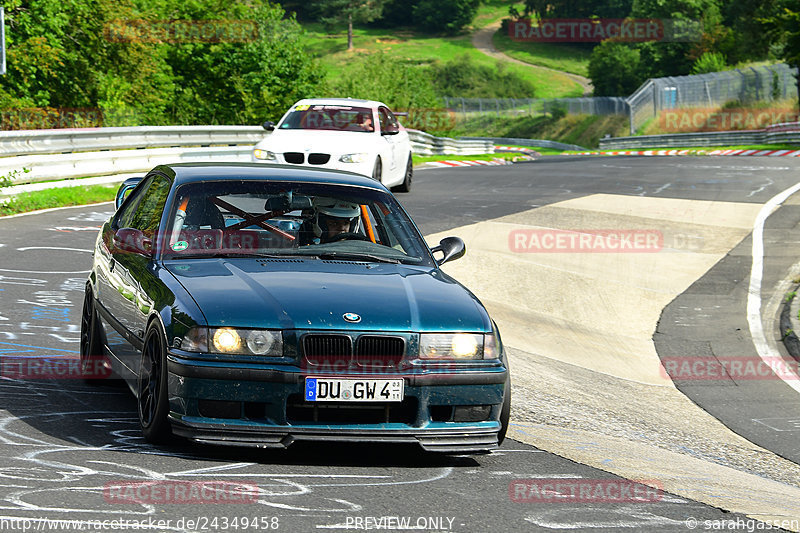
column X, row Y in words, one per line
column 228, row 255
column 355, row 256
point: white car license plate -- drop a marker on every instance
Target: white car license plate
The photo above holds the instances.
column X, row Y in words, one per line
column 353, row 390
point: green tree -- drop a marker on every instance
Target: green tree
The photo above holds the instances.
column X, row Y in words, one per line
column 447, row 16
column 349, row 12
column 614, row 69
column 585, row 8
column 243, row 81
column 789, row 23
column 116, row 56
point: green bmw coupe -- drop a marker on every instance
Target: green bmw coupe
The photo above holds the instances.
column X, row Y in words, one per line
column 258, row 305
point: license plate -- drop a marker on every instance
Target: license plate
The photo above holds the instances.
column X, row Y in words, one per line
column 354, row 390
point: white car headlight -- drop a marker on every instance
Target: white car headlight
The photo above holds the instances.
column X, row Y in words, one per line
column 353, row 158
column 456, row 346
column 266, row 155
column 234, row 341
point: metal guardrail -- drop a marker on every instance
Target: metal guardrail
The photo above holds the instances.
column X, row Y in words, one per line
column 81, row 164
column 78, row 153
column 30, row 142
column 786, row 133
column 426, row 144
column 536, row 143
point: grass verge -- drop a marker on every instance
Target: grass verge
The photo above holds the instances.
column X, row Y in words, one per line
column 420, row 159
column 61, row 197
column 582, row 130
column 568, row 58
column 405, row 47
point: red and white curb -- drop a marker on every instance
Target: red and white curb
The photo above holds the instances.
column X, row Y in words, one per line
column 467, row 163
column 778, row 153
column 516, row 149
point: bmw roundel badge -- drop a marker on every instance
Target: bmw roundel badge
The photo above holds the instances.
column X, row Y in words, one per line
column 351, row 317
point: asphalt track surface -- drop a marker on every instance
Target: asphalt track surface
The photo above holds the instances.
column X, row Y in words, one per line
column 64, row 444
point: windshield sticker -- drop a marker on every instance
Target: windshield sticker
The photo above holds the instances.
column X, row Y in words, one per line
column 301, row 107
column 332, row 108
column 180, row 246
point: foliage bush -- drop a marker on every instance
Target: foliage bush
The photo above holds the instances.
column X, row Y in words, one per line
column 464, row 77
column 709, row 62
column 376, row 77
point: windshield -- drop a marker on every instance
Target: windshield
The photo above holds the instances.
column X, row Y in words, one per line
column 329, row 117
column 247, row 218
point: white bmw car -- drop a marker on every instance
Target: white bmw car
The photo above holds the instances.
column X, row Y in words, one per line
column 361, row 136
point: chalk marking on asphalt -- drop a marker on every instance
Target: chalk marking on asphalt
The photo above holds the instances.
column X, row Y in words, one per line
column 765, row 351
column 764, row 186
column 25, row 249
column 51, row 209
column 661, row 188
column 41, row 272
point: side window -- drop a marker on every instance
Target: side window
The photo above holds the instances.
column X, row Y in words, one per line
column 151, row 207
column 388, row 120
column 384, row 119
column 393, row 120
column 127, row 211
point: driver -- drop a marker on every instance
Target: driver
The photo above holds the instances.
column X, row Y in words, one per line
column 334, row 217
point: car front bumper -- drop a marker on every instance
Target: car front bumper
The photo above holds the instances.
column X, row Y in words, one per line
column 365, row 168
column 264, row 407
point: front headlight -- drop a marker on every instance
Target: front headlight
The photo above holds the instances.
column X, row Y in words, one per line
column 266, row 155
column 234, row 341
column 353, row 158
column 456, row 346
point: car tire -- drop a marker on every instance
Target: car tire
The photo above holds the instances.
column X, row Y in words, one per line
column 91, row 347
column 406, row 185
column 152, row 403
column 505, row 412
column 377, row 170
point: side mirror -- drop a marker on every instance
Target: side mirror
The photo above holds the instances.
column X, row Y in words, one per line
column 391, row 130
column 133, row 240
column 452, row 247
column 127, row 186
column 268, row 125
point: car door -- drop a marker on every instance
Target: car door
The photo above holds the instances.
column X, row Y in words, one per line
column 387, row 125
column 131, row 273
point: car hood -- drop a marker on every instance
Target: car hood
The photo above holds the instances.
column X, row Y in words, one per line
column 321, row 141
column 315, row 294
